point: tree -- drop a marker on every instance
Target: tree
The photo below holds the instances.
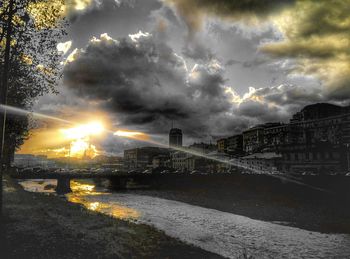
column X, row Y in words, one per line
column 29, row 64
column 29, row 31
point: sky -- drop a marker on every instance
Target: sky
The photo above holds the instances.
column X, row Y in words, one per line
column 211, row 67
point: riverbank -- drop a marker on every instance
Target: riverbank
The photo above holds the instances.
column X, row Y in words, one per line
column 42, row 226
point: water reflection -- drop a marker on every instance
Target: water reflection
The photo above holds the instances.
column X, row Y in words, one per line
column 85, row 193
column 85, row 187
column 39, row 185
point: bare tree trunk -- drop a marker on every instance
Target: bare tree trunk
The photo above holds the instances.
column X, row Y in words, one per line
column 3, row 94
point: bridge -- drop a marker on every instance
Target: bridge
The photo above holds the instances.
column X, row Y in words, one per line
column 118, row 180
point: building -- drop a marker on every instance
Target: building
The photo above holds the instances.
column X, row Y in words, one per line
column 253, row 139
column 259, row 162
column 179, row 160
column 161, row 161
column 29, row 160
column 318, row 111
column 202, row 148
column 142, row 158
column 104, row 159
column 235, row 145
column 175, row 137
column 222, row 145
column 275, row 136
column 219, row 162
column 318, row 140
column 107, row 162
column 200, row 164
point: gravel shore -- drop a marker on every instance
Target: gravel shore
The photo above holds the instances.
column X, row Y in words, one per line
column 42, row 226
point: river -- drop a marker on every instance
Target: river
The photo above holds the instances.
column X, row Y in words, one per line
column 223, row 233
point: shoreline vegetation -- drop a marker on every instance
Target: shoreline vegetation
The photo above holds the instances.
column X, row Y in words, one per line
column 42, row 226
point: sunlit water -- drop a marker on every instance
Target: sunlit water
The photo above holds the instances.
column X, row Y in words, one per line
column 215, row 231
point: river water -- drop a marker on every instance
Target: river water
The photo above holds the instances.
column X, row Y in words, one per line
column 219, row 232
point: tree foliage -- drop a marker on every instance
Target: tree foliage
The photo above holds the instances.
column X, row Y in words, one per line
column 34, row 65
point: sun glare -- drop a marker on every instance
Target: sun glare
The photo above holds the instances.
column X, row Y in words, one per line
column 131, row 134
column 84, row 130
column 80, row 137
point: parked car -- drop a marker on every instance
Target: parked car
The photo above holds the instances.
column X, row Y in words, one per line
column 37, row 169
column 100, row 170
column 75, row 171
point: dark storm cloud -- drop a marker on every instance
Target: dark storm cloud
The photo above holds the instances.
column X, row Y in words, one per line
column 128, row 77
column 194, row 11
column 147, row 84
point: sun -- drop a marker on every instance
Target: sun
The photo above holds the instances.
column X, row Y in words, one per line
column 80, row 139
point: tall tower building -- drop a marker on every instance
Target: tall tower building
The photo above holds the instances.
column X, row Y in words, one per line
column 175, row 137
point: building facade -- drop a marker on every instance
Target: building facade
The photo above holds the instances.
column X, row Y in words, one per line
column 235, row 145
column 179, row 160
column 265, row 163
column 29, row 160
column 222, row 145
column 202, row 148
column 253, row 139
column 142, row 158
column 318, row 141
column 276, row 136
column 161, row 161
column 175, row 137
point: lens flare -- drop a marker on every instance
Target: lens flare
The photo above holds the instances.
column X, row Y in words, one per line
column 84, row 130
column 80, row 137
column 131, row 134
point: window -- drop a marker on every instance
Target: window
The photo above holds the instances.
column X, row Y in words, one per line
column 326, row 155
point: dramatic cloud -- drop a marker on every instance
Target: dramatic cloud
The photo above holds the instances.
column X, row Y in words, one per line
column 146, row 83
column 195, row 11
column 276, row 103
column 316, row 33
